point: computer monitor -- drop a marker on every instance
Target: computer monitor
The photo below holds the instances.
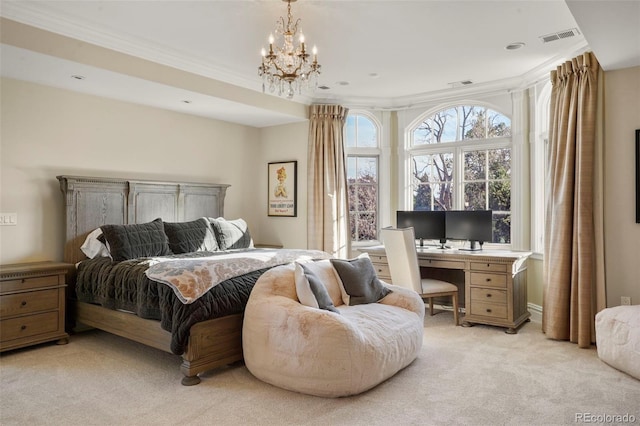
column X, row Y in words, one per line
column 473, row 225
column 427, row 225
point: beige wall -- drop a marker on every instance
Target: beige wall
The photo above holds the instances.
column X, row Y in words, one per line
column 622, row 234
column 47, row 132
column 282, row 143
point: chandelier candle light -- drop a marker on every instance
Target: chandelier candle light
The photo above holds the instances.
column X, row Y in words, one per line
column 287, row 66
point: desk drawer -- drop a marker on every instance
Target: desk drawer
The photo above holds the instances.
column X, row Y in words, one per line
column 446, row 264
column 377, row 258
column 489, row 310
column 488, row 280
column 382, row 270
column 488, row 295
column 488, row 267
column 27, row 326
column 26, row 303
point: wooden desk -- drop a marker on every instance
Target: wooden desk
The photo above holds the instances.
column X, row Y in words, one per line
column 494, row 281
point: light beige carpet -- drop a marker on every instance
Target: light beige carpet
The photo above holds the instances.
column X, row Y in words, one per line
column 474, row 376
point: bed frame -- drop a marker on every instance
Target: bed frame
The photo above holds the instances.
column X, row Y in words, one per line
column 93, row 201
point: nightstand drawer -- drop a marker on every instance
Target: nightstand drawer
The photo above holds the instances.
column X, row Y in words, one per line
column 488, row 280
column 27, row 326
column 26, row 303
column 29, row 283
column 489, row 310
column 488, row 267
column 488, row 295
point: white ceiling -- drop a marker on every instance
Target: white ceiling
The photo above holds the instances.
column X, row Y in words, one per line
column 392, row 53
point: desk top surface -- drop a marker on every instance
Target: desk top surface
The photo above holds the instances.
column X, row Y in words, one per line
column 454, row 252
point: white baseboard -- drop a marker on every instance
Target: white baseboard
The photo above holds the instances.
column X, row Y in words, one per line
column 536, row 312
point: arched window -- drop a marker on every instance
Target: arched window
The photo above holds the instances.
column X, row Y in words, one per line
column 362, row 147
column 459, row 158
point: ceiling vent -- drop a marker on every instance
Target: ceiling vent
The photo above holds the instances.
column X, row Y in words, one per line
column 560, row 35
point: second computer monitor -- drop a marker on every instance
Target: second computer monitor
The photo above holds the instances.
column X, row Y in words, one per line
column 471, row 225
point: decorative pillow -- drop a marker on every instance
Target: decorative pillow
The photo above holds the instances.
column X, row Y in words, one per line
column 93, row 246
column 359, row 280
column 311, row 291
column 187, row 237
column 231, row 234
column 136, row 240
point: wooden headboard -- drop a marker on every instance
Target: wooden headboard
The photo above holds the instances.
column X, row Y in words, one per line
column 91, row 202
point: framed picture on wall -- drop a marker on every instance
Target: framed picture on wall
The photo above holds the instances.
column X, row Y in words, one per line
column 637, row 175
column 283, row 188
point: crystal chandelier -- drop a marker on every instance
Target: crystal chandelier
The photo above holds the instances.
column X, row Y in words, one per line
column 287, row 67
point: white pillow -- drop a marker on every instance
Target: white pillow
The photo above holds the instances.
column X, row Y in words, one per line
column 93, row 247
column 231, row 234
column 305, row 295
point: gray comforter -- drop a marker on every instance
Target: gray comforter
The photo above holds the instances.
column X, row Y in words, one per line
column 124, row 285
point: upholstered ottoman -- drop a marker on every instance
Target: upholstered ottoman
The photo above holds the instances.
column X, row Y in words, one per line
column 618, row 338
column 330, row 353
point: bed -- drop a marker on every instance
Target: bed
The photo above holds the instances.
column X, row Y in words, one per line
column 91, row 203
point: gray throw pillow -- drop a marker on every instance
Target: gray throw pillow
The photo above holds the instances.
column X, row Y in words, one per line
column 359, row 280
column 188, row 237
column 311, row 291
column 136, row 240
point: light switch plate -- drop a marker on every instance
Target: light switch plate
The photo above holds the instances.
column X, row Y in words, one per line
column 8, row 219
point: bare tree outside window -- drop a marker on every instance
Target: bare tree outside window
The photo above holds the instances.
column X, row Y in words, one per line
column 486, row 173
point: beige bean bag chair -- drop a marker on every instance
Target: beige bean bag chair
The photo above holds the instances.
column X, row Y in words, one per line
column 324, row 353
column 618, row 338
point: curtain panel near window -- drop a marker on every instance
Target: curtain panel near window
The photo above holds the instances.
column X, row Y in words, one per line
column 328, row 212
column 574, row 257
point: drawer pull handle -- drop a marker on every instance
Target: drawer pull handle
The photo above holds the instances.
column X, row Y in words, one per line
column 24, row 303
column 488, row 295
column 489, row 311
column 488, row 265
column 379, row 270
column 24, row 327
column 488, row 279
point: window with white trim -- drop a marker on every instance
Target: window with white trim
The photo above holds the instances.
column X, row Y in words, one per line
column 362, row 148
column 539, row 146
column 459, row 158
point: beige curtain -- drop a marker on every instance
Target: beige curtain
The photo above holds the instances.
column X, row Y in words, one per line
column 573, row 275
column 328, row 212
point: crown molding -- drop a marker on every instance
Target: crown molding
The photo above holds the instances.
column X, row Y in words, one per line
column 45, row 18
column 42, row 17
column 522, row 82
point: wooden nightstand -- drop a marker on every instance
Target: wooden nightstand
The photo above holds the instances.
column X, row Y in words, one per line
column 32, row 304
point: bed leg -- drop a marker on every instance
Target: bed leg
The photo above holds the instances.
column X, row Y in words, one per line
column 190, row 380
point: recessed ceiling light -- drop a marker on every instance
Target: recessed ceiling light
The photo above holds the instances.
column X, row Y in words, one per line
column 186, row 101
column 460, row 83
column 374, row 75
column 78, row 77
column 342, row 83
column 323, row 87
column 515, row 46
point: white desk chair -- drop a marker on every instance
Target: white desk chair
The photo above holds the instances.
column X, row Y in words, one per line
column 400, row 247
